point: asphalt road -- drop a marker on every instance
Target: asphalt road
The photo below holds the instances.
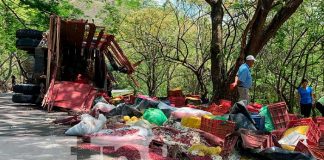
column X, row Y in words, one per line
column 22, row 120
column 27, row 132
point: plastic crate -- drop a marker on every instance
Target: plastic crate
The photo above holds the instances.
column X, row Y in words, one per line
column 251, row 109
column 278, row 133
column 218, row 128
column 301, row 147
column 256, row 140
column 129, row 99
column 316, row 152
column 225, row 103
column 217, row 110
column 321, row 142
column 292, row 117
column 256, row 105
column 175, row 93
column 279, row 114
column 313, row 150
column 191, row 122
column 228, row 147
column 259, row 121
column 320, row 124
column 178, row 101
column 313, row 134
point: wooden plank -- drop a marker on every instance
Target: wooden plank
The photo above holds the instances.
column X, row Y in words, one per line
column 111, row 44
column 128, row 64
column 114, row 51
column 58, row 41
column 101, row 33
column 107, row 45
column 58, row 48
column 50, row 50
column 92, row 30
column 79, row 32
column 54, row 43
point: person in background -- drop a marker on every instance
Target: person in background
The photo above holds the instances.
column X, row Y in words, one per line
column 320, row 105
column 243, row 79
column 306, row 98
column 13, row 81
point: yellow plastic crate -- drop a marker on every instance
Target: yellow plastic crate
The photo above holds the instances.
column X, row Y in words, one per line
column 191, row 122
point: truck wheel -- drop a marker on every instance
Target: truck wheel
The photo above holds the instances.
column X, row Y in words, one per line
column 29, row 33
column 27, row 43
column 27, row 89
column 23, row 98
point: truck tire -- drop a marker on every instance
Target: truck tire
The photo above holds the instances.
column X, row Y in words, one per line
column 29, row 33
column 23, row 98
column 30, row 89
column 27, row 43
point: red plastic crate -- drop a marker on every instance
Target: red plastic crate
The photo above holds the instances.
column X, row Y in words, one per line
column 228, row 147
column 251, row 109
column 256, row 105
column 279, row 114
column 178, row 101
column 301, row 147
column 255, row 140
column 320, row 124
column 225, row 103
column 175, row 93
column 292, row 117
column 278, row 133
column 310, row 149
column 321, row 142
column 218, row 128
column 313, row 134
column 316, row 152
column 129, row 99
column 217, row 110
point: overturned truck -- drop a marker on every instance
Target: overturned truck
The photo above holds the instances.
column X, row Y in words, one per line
column 73, row 63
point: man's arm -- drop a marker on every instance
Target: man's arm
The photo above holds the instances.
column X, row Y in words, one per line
column 235, row 83
column 238, row 81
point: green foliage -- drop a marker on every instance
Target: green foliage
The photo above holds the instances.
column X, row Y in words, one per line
column 181, row 30
column 131, row 4
column 112, row 19
column 16, row 14
column 296, row 52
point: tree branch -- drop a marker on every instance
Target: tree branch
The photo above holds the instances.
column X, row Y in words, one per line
column 281, row 17
column 19, row 19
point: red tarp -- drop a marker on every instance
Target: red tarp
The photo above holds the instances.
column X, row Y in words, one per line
column 71, row 95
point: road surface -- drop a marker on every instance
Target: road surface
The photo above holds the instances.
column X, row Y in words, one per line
column 26, row 132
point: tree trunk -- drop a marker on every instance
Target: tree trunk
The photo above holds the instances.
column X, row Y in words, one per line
column 217, row 65
column 255, row 36
column 202, row 87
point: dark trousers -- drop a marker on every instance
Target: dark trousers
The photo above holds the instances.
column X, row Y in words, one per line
column 320, row 107
column 305, row 109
